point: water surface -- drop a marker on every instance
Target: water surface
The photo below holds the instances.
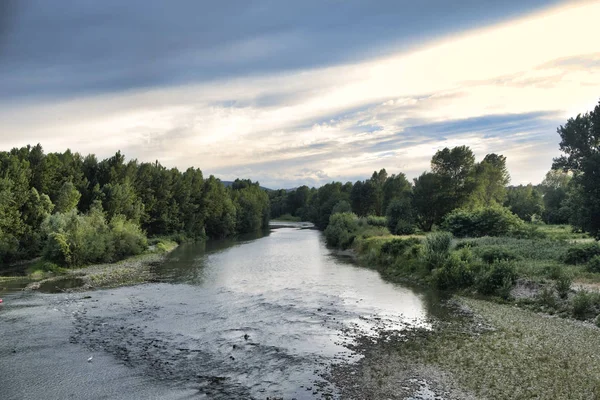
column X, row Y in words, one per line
column 261, row 316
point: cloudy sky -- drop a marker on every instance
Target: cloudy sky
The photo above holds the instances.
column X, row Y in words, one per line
column 302, row 92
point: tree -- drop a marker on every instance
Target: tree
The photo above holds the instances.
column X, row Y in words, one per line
column 252, row 207
column 580, row 141
column 525, row 201
column 67, row 198
column 395, row 187
column 218, row 209
column 555, row 188
column 400, row 216
column 428, row 200
column 121, row 199
column 454, row 168
column 490, row 180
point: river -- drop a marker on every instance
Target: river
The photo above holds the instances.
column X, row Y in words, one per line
column 259, row 317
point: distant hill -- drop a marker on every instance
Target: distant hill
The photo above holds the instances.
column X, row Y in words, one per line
column 229, row 183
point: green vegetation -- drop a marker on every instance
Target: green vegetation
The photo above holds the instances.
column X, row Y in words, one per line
column 288, row 218
column 511, row 354
column 489, row 221
column 75, row 210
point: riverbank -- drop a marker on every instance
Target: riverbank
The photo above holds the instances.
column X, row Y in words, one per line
column 492, row 350
column 526, row 326
column 131, row 271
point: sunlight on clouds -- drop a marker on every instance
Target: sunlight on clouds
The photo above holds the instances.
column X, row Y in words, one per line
column 335, row 117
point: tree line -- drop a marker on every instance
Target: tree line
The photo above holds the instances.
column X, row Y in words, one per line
column 76, row 209
column 570, row 192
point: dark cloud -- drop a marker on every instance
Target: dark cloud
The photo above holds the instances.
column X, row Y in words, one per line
column 50, row 48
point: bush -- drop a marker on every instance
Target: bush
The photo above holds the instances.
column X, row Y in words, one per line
column 594, row 265
column 456, row 273
column 397, row 247
column 563, row 285
column 582, row 305
column 546, row 298
column 75, row 239
column 496, row 253
column 437, row 249
column 582, row 253
column 404, row 228
column 341, row 230
column 493, row 221
column 496, row 279
column 374, row 220
column 468, row 244
column 597, row 321
column 127, row 237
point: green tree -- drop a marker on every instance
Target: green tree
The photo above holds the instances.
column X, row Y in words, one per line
column 525, row 201
column 395, row 187
column 219, row 211
column 580, row 143
column 555, row 187
column 455, row 169
column 67, row 198
column 121, row 199
column 428, row 200
column 490, row 180
column 400, row 216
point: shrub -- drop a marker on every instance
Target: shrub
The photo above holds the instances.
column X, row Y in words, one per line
column 374, row 220
column 546, row 298
column 398, row 247
column 341, row 230
column 582, row 305
column 594, row 265
column 563, row 285
column 404, row 228
column 597, row 321
column 496, row 279
column 492, row 221
column 456, row 273
column 128, row 239
column 497, row 253
column 437, row 249
column 582, row 253
column 75, row 239
column 466, row 244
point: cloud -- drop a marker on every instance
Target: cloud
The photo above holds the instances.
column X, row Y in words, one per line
column 88, row 47
column 494, row 89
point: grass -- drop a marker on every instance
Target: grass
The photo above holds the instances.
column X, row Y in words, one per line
column 536, row 258
column 562, row 232
column 526, row 356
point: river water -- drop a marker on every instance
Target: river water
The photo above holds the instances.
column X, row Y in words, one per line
column 258, row 317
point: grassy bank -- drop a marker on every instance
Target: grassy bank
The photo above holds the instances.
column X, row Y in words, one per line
column 130, row 271
column 494, row 351
column 536, row 266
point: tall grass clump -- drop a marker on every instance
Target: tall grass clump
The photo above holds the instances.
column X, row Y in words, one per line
column 437, row 249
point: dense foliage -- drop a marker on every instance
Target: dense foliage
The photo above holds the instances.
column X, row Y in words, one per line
column 580, row 142
column 77, row 210
column 492, row 221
